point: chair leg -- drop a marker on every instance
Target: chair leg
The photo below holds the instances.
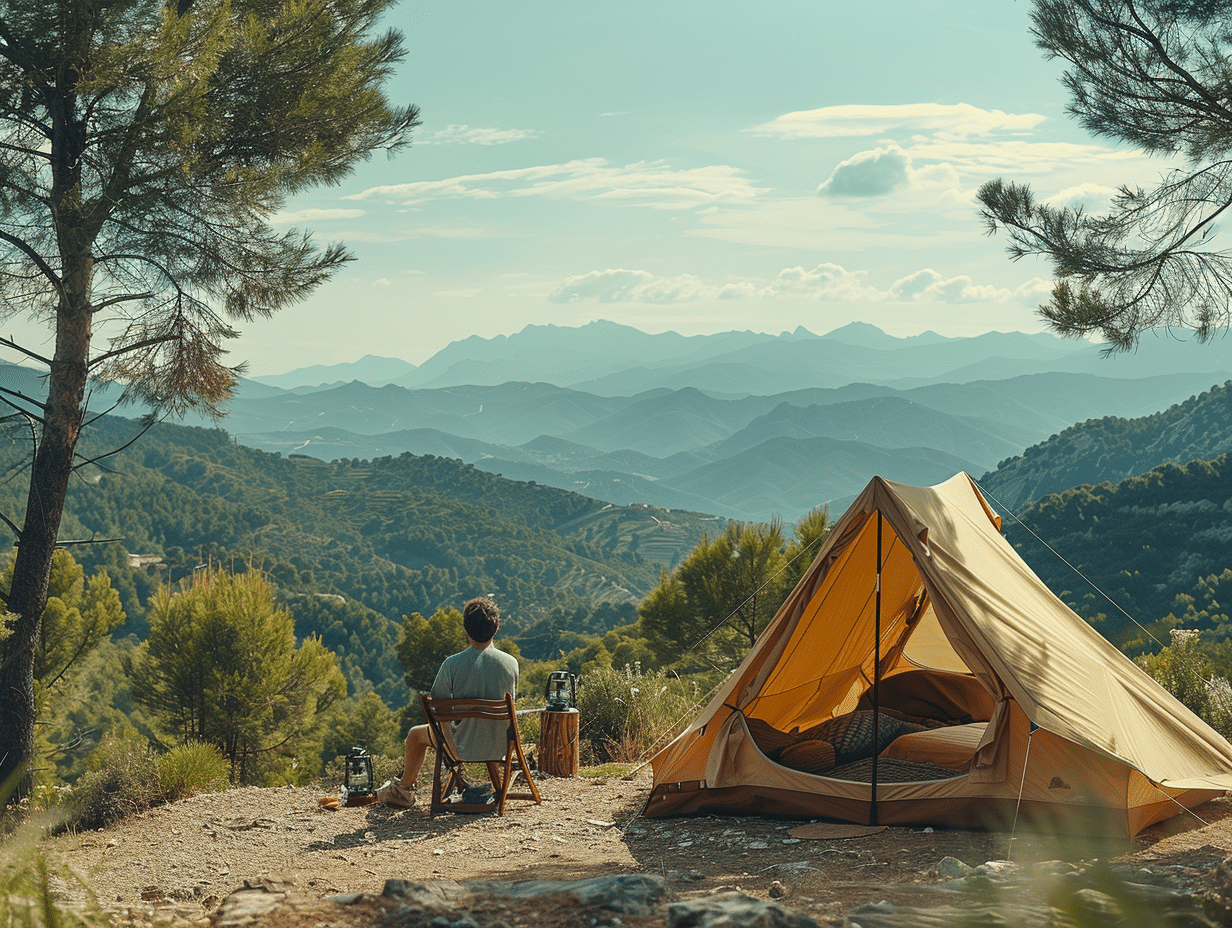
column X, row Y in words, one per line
column 526, row 771
column 437, row 795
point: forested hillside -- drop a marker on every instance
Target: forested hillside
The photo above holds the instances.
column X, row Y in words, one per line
column 1144, row 541
column 1111, row 449
column 352, row 545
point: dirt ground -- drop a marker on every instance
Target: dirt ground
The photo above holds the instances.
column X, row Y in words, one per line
column 180, row 860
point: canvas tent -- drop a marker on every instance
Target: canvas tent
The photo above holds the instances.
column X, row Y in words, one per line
column 956, row 689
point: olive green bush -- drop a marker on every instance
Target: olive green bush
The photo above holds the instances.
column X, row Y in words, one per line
column 626, row 715
column 192, row 768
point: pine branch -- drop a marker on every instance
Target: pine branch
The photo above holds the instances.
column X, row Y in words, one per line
column 25, row 412
column 12, row 526
column 9, row 343
column 136, row 346
column 24, row 398
column 94, row 460
column 36, row 259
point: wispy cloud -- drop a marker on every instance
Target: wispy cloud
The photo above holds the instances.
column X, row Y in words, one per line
column 825, row 281
column 1022, row 156
column 460, row 134
column 647, row 183
column 1093, row 198
column 960, row 119
column 314, row 215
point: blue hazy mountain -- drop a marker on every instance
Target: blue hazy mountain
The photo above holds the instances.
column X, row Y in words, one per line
column 370, row 369
column 671, row 417
column 609, row 359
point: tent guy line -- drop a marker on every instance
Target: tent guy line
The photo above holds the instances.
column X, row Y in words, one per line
column 1217, row 693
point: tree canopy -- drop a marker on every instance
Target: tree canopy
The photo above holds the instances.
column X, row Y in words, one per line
column 221, row 666
column 1155, row 74
column 724, row 594
column 147, row 145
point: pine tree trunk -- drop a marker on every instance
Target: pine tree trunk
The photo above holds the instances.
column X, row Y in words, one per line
column 49, row 476
column 53, row 459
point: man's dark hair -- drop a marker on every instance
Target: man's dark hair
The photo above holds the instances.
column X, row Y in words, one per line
column 481, row 619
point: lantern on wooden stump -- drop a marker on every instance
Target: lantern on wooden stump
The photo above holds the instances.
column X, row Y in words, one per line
column 559, row 734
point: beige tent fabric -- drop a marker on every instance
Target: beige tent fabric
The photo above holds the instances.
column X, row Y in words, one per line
column 955, row 597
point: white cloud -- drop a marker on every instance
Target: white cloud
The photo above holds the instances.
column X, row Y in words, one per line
column 868, row 174
column 1091, row 198
column 884, row 170
column 959, row 119
column 381, row 282
column 1034, row 290
column 655, row 184
column 465, row 135
column 928, row 286
column 611, row 286
column 314, row 215
column 825, row 282
column 1018, row 156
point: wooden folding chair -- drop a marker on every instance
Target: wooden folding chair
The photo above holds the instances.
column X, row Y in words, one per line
column 449, row 778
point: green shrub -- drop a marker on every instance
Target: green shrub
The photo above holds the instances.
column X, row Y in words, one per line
column 122, row 781
column 1184, row 670
column 188, row 769
column 626, row 715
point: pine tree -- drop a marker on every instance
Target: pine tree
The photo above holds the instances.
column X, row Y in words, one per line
column 1156, row 74
column 724, row 593
column 221, row 666
column 146, row 145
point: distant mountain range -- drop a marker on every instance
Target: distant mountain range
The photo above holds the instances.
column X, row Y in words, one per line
column 609, row 359
column 796, row 456
column 739, row 424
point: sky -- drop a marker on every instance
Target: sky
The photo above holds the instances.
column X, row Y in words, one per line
column 697, row 167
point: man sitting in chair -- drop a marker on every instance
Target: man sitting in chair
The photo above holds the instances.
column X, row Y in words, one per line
column 479, row 672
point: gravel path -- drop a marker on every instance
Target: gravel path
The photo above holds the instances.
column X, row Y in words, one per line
column 180, row 860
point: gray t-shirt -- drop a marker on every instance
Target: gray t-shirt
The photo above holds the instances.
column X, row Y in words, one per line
column 478, row 674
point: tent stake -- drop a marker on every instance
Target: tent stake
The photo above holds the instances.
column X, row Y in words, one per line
column 872, row 810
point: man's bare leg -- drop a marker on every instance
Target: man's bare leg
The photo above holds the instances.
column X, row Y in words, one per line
column 418, row 740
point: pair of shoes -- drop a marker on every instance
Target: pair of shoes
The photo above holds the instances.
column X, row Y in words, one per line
column 393, row 793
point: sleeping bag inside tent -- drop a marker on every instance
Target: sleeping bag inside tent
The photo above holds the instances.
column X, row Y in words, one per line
column 920, row 673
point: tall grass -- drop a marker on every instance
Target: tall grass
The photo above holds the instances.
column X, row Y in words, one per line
column 27, row 899
column 189, row 769
column 626, row 715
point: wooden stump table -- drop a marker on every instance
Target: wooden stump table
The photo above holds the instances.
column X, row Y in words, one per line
column 558, row 742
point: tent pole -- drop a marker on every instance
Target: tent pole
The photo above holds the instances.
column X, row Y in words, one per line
column 872, row 810
column 1009, row 851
